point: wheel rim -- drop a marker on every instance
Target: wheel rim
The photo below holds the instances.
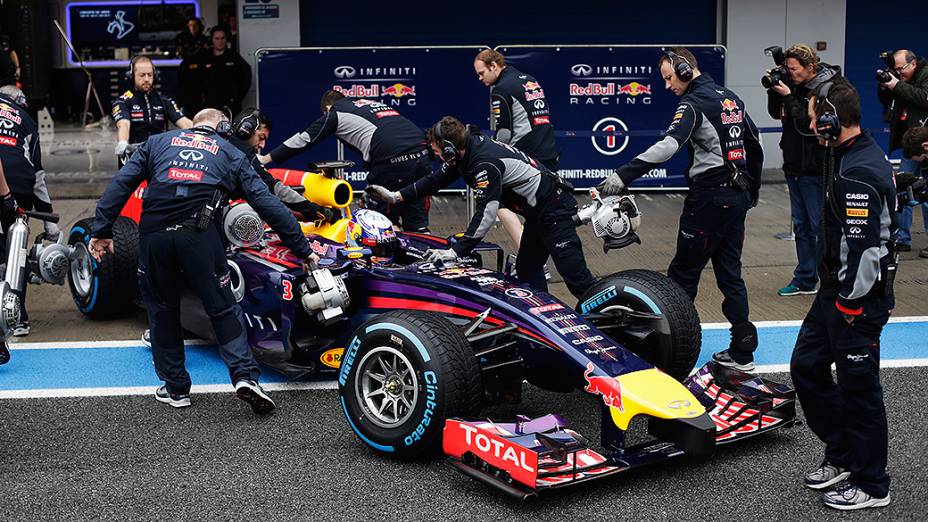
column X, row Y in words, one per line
column 386, row 387
column 82, row 270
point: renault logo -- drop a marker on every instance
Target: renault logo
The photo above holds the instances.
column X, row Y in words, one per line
column 191, row 155
column 344, row 71
column 581, row 69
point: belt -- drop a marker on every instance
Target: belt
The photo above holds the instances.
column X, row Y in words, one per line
column 407, row 157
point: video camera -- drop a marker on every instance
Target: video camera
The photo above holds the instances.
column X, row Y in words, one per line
column 779, row 73
column 911, row 189
column 885, row 75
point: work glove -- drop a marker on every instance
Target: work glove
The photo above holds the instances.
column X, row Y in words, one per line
column 8, row 211
column 52, row 232
column 612, row 185
column 328, row 215
column 434, row 255
column 390, row 197
column 121, row 148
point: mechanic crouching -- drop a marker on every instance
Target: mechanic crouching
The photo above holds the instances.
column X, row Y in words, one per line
column 856, row 269
column 190, row 174
column 501, row 175
column 724, row 181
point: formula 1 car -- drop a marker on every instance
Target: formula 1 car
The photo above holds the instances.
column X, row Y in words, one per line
column 418, row 348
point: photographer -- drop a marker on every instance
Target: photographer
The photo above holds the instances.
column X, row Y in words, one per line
column 904, row 89
column 915, row 147
column 802, row 155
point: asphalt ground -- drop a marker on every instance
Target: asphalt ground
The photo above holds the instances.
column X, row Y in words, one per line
column 131, row 458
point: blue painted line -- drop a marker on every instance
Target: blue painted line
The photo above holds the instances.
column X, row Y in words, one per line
column 50, row 368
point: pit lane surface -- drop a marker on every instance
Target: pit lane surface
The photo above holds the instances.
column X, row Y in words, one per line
column 130, row 458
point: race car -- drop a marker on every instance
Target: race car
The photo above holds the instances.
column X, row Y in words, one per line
column 419, row 348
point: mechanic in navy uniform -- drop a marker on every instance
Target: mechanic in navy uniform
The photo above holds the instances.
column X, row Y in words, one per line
column 857, row 265
column 501, row 175
column 250, row 131
column 393, row 149
column 726, row 159
column 9, row 211
column 21, row 154
column 190, row 174
column 142, row 111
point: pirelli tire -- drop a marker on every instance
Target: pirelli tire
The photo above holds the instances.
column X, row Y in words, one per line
column 662, row 325
column 109, row 288
column 402, row 375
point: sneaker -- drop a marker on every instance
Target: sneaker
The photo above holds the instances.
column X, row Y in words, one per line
column 792, row 289
column 175, row 400
column 146, row 337
column 903, row 247
column 21, row 329
column 825, row 475
column 847, row 496
column 252, row 393
column 923, row 252
column 724, row 358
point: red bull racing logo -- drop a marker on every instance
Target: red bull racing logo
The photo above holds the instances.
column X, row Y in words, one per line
column 609, row 387
column 195, row 141
column 606, row 93
column 731, row 113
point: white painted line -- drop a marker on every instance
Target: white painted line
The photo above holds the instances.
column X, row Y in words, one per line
column 150, row 390
column 885, row 363
column 56, row 345
column 777, row 324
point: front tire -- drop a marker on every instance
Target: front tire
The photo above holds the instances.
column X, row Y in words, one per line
column 402, row 374
column 109, row 288
column 651, row 315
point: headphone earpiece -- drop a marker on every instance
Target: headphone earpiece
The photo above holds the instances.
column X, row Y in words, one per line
column 224, row 128
column 827, row 124
column 449, row 153
column 130, row 72
column 681, row 66
column 247, row 126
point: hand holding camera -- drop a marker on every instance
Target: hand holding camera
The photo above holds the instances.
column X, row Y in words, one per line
column 779, row 75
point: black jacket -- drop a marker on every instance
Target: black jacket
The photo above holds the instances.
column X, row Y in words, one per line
column 712, row 122
column 859, row 223
column 907, row 104
column 19, row 147
column 519, row 105
column 225, row 79
column 377, row 132
column 500, row 176
column 183, row 169
column 147, row 113
column 802, row 154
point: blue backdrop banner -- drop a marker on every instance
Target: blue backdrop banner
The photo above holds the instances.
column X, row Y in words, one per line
column 608, row 104
column 422, row 83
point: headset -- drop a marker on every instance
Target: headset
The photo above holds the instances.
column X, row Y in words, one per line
column 246, row 126
column 224, row 128
column 827, row 124
column 681, row 65
column 449, row 153
column 130, row 72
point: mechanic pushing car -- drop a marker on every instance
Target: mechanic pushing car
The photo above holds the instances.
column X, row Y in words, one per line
column 21, row 155
column 190, row 174
column 522, row 116
column 501, row 175
column 393, row 149
column 249, row 133
column 857, row 265
column 142, row 111
column 724, row 180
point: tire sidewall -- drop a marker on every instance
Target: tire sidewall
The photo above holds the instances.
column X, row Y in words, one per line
column 418, row 433
column 80, row 233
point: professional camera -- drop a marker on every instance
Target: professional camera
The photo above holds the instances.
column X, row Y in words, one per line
column 779, row 73
column 885, row 75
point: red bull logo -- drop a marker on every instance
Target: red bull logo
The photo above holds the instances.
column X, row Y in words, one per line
column 195, row 141
column 531, row 86
column 608, row 387
column 635, row 88
column 729, row 105
column 398, row 90
column 359, row 91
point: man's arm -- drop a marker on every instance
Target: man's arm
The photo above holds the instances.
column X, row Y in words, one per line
column 754, row 157
column 428, row 185
column 118, row 191
column 680, row 130
column 863, row 213
column 322, row 128
column 175, row 114
column 271, row 209
column 774, row 104
column 502, row 113
column 121, row 117
column 488, row 190
column 913, row 94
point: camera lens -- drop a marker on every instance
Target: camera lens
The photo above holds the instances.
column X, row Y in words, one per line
column 883, row 76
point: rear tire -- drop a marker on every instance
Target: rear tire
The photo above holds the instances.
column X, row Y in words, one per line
column 109, row 288
column 403, row 373
column 670, row 341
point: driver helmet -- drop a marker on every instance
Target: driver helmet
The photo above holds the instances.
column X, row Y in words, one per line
column 371, row 229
